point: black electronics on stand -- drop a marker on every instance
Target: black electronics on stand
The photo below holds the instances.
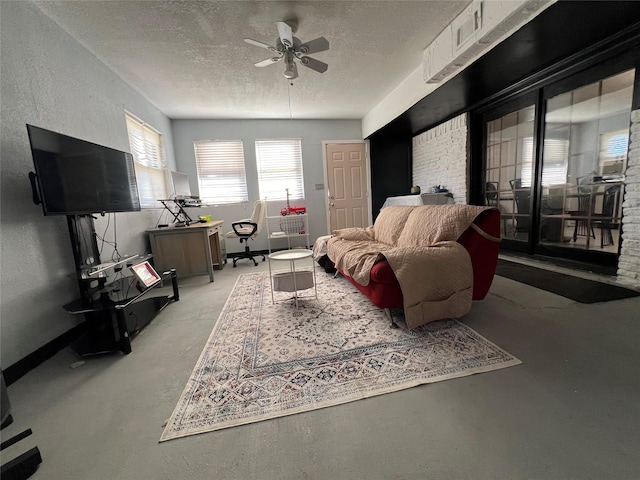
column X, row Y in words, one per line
column 78, row 179
column 111, row 323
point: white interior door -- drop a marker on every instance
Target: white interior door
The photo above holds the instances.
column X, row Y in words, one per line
column 347, row 185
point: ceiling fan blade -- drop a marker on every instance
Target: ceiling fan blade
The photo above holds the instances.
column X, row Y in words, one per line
column 314, row 64
column 260, row 44
column 286, row 34
column 314, row 46
column 268, row 61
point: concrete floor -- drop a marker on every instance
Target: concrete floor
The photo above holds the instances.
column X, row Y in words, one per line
column 570, row 411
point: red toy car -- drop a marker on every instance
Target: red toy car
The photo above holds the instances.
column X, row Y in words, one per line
column 289, row 210
column 293, row 210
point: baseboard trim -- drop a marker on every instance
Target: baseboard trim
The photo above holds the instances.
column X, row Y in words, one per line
column 22, row 367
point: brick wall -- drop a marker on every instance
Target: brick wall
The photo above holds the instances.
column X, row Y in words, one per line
column 629, row 261
column 440, row 158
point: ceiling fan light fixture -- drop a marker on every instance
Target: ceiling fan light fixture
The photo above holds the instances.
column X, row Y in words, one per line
column 290, row 71
column 290, row 48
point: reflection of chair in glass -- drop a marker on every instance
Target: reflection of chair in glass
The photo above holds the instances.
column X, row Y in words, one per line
column 585, row 183
column 491, row 199
column 583, row 225
column 246, row 229
column 605, row 218
column 523, row 200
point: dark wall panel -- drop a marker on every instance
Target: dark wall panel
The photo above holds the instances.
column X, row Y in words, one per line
column 390, row 169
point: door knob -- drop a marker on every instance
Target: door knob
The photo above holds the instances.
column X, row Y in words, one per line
column 332, row 204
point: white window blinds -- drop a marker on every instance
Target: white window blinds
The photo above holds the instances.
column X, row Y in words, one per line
column 149, row 161
column 555, row 161
column 221, row 172
column 279, row 168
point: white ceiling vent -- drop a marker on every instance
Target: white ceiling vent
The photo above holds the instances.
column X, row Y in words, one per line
column 475, row 31
column 466, row 26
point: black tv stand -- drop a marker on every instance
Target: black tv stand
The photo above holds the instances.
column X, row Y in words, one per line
column 114, row 304
column 110, row 325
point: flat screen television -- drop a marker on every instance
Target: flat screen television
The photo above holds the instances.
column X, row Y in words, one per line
column 76, row 177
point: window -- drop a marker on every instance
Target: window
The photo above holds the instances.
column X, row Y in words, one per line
column 221, row 173
column 280, row 168
column 613, row 152
column 149, row 161
column 556, row 155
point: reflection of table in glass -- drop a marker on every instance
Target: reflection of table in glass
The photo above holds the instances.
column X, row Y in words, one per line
column 293, row 280
column 586, row 205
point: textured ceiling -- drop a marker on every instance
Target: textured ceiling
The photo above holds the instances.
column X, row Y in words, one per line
column 189, row 58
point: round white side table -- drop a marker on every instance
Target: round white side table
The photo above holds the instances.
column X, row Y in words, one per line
column 293, row 280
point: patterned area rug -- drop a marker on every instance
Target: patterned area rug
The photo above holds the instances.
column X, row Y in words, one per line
column 265, row 360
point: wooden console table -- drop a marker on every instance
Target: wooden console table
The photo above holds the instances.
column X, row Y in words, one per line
column 192, row 250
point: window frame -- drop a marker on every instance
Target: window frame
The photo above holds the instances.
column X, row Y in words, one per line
column 150, row 167
column 227, row 160
column 274, row 174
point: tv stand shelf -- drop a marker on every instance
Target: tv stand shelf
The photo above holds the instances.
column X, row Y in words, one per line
column 99, row 270
column 111, row 324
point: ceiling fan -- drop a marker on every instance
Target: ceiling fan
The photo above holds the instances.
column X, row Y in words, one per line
column 290, row 48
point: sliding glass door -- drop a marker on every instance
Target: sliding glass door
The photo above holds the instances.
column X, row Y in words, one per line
column 555, row 162
column 586, row 139
column 509, row 161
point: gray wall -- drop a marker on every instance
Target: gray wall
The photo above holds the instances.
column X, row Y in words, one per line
column 312, row 133
column 50, row 80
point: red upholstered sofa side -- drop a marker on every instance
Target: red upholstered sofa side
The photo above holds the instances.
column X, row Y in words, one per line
column 384, row 290
column 483, row 252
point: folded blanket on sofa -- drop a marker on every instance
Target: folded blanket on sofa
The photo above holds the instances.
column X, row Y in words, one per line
column 419, row 242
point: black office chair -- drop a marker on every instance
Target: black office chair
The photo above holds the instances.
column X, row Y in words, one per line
column 247, row 229
column 605, row 218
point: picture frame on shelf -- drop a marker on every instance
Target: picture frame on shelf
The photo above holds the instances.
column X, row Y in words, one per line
column 146, row 274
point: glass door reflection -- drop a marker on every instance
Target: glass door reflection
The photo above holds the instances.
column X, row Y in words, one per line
column 586, row 137
column 509, row 162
